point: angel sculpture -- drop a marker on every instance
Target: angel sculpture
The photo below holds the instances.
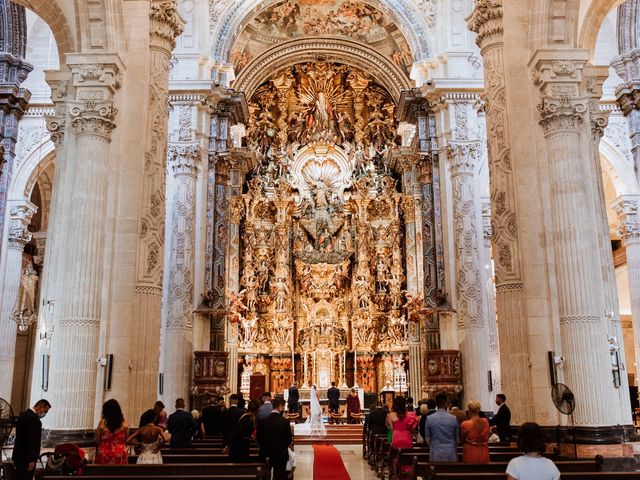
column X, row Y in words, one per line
column 415, row 307
column 237, row 308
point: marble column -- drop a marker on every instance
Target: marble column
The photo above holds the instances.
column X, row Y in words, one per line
column 595, row 77
column 487, row 21
column 18, row 236
column 78, row 311
column 628, row 209
column 165, row 26
column 50, row 279
column 183, row 160
column 471, row 304
column 583, row 324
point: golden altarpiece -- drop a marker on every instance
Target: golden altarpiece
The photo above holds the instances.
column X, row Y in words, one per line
column 331, row 269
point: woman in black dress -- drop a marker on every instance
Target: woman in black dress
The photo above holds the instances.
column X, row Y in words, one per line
column 243, row 434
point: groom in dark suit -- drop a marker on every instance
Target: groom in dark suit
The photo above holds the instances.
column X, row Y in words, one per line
column 333, row 395
column 294, row 398
column 26, row 449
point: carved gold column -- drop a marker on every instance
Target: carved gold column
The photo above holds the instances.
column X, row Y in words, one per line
column 583, row 325
column 487, row 21
column 235, row 216
column 165, row 26
column 78, row 309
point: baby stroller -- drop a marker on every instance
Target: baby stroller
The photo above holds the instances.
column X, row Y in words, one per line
column 67, row 459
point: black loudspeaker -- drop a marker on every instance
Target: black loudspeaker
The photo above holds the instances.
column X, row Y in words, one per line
column 108, row 372
column 161, row 383
column 44, row 380
column 489, row 380
column 553, row 374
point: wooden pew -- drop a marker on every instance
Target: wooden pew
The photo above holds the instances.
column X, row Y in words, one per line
column 167, row 477
column 400, row 459
column 432, row 471
column 565, row 476
column 256, row 470
column 196, row 458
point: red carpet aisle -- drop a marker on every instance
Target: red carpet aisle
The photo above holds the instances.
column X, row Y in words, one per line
column 327, row 464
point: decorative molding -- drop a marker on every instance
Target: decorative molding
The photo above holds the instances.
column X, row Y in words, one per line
column 464, row 157
column 183, row 159
column 166, row 25
column 20, row 218
column 627, row 207
column 486, row 21
column 331, row 49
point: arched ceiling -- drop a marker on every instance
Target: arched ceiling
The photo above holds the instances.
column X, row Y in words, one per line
column 296, row 19
column 250, row 27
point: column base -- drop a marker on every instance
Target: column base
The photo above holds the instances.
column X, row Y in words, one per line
column 615, row 441
column 82, row 438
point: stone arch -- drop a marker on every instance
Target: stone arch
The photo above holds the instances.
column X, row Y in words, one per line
column 593, row 18
column 26, row 175
column 231, row 22
column 331, row 49
column 616, row 166
column 61, row 25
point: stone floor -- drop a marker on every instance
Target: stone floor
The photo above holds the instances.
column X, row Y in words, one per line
column 351, row 456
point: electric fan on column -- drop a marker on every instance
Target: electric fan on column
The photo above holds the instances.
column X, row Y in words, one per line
column 7, row 422
column 565, row 401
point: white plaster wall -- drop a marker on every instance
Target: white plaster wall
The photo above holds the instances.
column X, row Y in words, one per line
column 42, row 53
column 606, row 49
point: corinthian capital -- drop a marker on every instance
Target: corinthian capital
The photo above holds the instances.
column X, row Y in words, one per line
column 183, row 159
column 55, row 126
column 166, row 24
column 20, row 218
column 93, row 117
column 627, row 208
column 559, row 114
column 486, row 21
column 464, row 157
column 96, row 78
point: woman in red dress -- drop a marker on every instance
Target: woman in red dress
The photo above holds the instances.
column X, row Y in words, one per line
column 474, row 434
column 111, row 435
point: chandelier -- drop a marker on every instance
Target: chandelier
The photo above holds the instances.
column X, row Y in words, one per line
column 24, row 317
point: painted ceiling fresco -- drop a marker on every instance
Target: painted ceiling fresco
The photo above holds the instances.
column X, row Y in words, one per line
column 308, row 18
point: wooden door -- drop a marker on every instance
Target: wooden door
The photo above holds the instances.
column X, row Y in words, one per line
column 257, row 385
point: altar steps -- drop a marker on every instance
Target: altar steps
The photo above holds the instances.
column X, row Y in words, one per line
column 336, row 435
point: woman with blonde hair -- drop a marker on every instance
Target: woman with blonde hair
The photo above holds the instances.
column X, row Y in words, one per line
column 474, row 434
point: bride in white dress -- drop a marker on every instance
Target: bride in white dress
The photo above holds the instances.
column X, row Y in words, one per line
column 314, row 425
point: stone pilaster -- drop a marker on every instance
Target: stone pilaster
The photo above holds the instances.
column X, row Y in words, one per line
column 487, row 21
column 628, row 209
column 583, row 323
column 85, row 178
column 183, row 161
column 165, row 26
column 490, row 292
column 470, row 292
column 18, row 236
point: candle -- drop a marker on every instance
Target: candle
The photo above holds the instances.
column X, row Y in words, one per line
column 355, row 368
